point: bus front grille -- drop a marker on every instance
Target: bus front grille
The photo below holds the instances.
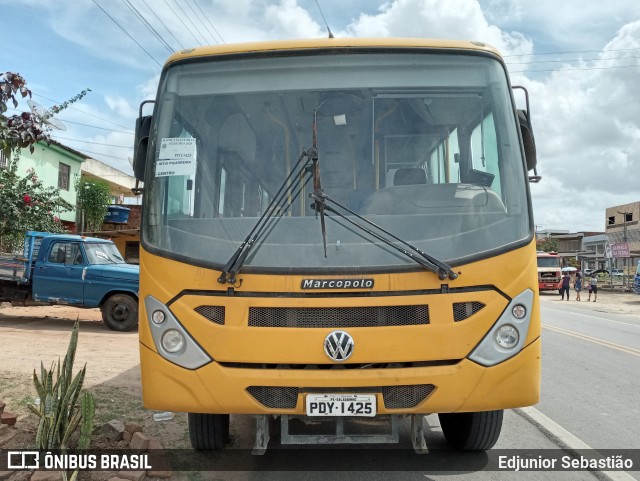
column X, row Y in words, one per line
column 464, row 310
column 275, row 397
column 213, row 313
column 338, row 317
column 395, row 397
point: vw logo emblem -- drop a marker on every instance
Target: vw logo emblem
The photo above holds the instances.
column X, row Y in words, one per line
column 338, row 346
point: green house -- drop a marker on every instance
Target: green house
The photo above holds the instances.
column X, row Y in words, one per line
column 56, row 165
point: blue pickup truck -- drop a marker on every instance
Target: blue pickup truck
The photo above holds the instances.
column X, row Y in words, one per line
column 73, row 270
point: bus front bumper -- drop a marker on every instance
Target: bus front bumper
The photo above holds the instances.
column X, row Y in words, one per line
column 461, row 387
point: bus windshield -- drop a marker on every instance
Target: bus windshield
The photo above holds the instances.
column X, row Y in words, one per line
column 424, row 145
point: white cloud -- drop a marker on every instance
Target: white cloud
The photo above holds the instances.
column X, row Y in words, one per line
column 121, row 106
column 288, row 20
column 457, row 19
column 149, row 88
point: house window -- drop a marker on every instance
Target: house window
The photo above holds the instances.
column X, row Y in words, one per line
column 3, row 160
column 64, row 172
column 628, row 216
column 612, row 220
column 132, row 252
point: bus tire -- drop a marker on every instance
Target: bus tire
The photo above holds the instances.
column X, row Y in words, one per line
column 208, row 431
column 472, row 431
column 120, row 312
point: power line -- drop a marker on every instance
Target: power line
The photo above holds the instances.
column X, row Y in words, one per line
column 95, row 143
column 567, row 69
column 189, row 4
column 96, row 127
column 126, row 33
column 163, row 24
column 99, row 153
column 571, row 51
column 194, row 25
column 130, row 132
column 181, row 21
column 79, row 110
column 210, row 23
column 149, row 27
column 571, row 60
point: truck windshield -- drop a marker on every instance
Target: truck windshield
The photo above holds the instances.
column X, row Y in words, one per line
column 424, row 145
column 103, row 254
column 548, row 262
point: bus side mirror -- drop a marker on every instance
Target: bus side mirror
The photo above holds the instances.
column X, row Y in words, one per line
column 526, row 131
column 527, row 140
column 141, row 143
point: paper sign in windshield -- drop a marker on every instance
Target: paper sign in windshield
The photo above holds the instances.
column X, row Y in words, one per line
column 177, row 157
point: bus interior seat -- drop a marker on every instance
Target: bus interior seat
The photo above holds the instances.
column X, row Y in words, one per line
column 440, row 199
column 410, row 176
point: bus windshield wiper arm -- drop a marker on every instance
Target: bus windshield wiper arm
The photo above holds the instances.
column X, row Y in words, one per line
column 317, row 195
column 443, row 270
column 237, row 260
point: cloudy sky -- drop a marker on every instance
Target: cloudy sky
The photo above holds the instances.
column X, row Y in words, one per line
column 579, row 60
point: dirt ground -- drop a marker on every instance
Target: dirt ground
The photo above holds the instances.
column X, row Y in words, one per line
column 30, row 335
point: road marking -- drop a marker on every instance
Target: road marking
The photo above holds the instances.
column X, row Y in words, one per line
column 595, row 340
column 599, row 318
column 564, row 439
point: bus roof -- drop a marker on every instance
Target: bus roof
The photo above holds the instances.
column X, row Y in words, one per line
column 324, row 43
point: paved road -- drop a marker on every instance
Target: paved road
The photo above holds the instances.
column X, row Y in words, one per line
column 591, row 361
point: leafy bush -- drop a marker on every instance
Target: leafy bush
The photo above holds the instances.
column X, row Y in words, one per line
column 94, row 197
column 26, row 204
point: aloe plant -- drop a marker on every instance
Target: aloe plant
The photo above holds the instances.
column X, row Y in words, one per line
column 64, row 406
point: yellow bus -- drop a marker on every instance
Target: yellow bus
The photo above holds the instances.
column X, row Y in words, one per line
column 336, row 229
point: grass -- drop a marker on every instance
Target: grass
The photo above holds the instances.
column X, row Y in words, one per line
column 119, row 403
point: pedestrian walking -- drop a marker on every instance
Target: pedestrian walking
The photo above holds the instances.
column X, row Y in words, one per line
column 577, row 285
column 593, row 288
column 564, row 287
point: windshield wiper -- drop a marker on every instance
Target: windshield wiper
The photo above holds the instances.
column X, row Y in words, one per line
column 237, row 260
column 443, row 270
column 317, row 194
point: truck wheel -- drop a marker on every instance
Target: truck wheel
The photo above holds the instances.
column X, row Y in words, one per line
column 120, row 312
column 208, row 431
column 471, row 431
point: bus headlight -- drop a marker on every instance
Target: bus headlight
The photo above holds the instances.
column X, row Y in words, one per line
column 172, row 340
column 519, row 311
column 158, row 317
column 506, row 337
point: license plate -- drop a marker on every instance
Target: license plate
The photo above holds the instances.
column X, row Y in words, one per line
column 549, row 285
column 341, row 405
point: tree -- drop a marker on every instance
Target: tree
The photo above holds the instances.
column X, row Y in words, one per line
column 549, row 244
column 25, row 203
column 25, row 129
column 94, row 197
